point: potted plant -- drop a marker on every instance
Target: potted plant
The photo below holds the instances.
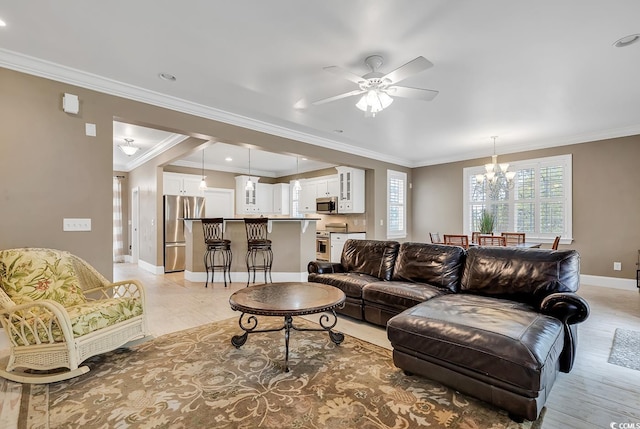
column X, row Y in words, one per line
column 487, row 221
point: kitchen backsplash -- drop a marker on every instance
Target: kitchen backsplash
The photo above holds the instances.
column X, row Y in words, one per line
column 355, row 222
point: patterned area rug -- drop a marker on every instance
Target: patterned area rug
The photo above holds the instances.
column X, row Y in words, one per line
column 624, row 351
column 197, row 379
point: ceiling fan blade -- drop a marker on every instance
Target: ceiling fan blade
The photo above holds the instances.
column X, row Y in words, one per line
column 409, row 69
column 338, row 97
column 407, row 92
column 345, row 74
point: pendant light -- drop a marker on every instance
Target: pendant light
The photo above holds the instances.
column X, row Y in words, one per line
column 249, row 185
column 203, row 183
column 296, row 184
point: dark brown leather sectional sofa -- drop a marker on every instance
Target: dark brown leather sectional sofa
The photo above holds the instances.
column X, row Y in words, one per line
column 497, row 323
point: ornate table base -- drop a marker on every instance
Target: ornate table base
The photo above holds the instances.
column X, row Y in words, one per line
column 250, row 324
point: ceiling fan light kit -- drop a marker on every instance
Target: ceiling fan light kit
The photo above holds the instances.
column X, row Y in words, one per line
column 376, row 89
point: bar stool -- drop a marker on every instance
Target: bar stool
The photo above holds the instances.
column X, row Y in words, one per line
column 258, row 244
column 216, row 245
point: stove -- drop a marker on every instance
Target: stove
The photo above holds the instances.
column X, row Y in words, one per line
column 323, row 239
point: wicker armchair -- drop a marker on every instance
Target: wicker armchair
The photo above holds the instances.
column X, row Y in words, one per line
column 58, row 311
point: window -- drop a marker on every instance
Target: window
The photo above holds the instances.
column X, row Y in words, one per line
column 295, row 200
column 396, row 204
column 539, row 203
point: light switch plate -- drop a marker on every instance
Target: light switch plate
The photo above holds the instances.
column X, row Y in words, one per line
column 90, row 129
column 76, row 224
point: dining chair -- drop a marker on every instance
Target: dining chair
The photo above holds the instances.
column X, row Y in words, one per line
column 491, row 240
column 435, row 237
column 513, row 238
column 457, row 240
column 556, row 241
column 474, row 237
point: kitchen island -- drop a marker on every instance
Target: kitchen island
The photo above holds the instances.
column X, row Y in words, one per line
column 293, row 244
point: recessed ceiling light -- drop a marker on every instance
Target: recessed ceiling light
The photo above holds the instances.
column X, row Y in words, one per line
column 626, row 41
column 228, row 159
column 2, row 23
column 167, row 76
column 304, row 159
column 338, row 131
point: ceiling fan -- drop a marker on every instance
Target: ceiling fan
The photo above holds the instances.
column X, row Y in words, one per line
column 378, row 89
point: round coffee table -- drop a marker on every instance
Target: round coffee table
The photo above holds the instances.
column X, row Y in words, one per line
column 287, row 300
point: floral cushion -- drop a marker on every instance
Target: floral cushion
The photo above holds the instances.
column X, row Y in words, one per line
column 38, row 274
column 86, row 318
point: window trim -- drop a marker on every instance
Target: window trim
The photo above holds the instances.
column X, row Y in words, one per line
column 400, row 175
column 567, row 163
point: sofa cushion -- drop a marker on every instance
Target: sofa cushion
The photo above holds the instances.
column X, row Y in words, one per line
column 399, row 295
column 435, row 264
column 38, row 274
column 504, row 340
column 372, row 257
column 87, row 317
column 525, row 275
column 350, row 283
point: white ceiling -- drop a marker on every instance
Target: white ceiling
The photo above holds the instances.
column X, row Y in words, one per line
column 218, row 156
column 536, row 74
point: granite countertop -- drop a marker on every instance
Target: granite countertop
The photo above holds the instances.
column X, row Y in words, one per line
column 270, row 218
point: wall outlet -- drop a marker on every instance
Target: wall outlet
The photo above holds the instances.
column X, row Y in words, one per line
column 617, row 266
column 381, row 222
column 75, row 224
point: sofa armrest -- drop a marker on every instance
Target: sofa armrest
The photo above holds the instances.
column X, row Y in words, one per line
column 566, row 306
column 323, row 267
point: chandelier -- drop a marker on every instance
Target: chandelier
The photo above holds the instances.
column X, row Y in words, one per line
column 497, row 176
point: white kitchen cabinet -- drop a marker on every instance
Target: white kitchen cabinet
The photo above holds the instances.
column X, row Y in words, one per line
column 256, row 201
column 337, row 242
column 307, row 196
column 319, row 187
column 181, row 184
column 246, row 201
column 327, row 187
column 264, row 198
column 281, row 198
column 351, row 190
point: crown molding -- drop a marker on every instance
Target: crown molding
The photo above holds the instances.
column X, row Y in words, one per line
column 38, row 67
column 535, row 145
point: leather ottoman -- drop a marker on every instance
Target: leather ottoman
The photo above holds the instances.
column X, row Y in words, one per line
column 500, row 351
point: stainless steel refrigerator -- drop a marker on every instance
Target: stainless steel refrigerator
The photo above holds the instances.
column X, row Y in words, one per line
column 176, row 208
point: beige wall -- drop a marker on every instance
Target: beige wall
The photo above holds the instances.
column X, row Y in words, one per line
column 606, row 201
column 50, row 170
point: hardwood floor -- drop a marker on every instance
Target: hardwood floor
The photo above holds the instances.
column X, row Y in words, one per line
column 593, row 395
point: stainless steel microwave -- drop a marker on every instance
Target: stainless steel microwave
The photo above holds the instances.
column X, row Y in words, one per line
column 327, row 205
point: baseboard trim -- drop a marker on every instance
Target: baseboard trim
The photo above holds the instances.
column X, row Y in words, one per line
column 609, row 282
column 149, row 267
column 200, row 276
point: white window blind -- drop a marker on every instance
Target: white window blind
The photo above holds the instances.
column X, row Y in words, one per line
column 295, row 200
column 396, row 204
column 539, row 204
